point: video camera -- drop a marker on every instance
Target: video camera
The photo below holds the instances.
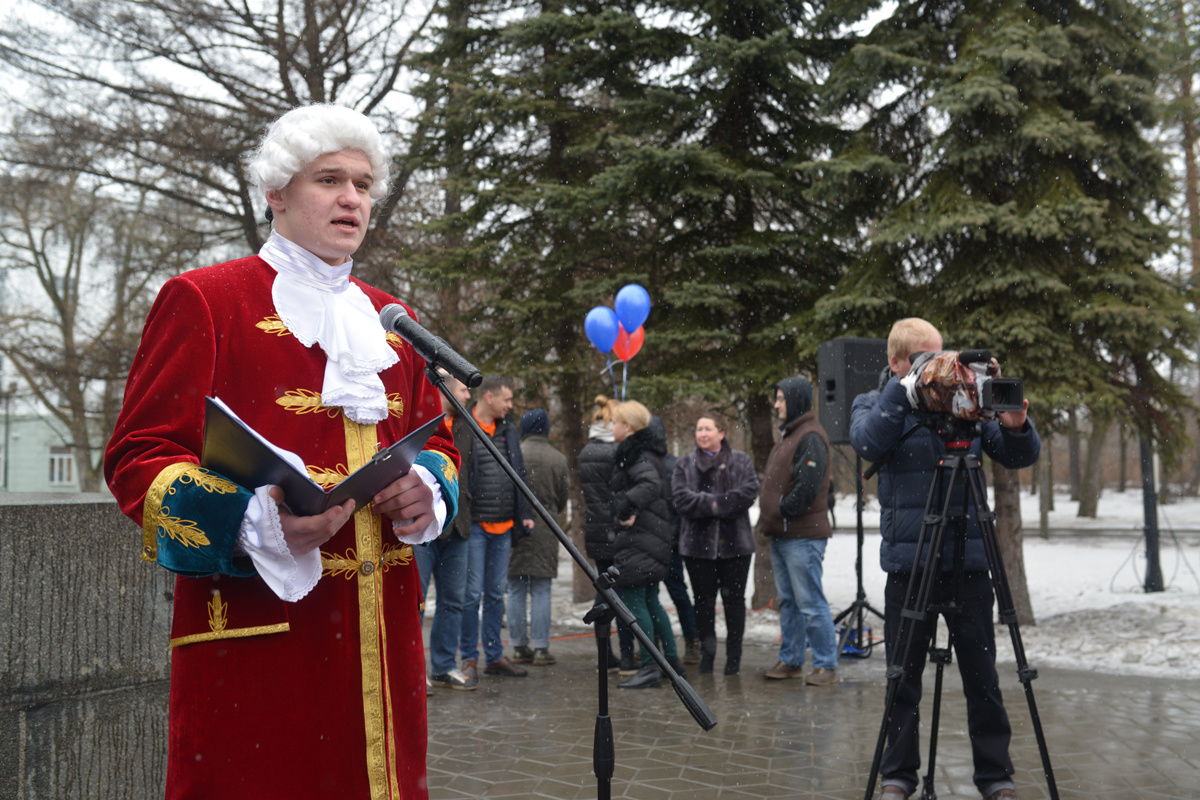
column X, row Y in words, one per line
column 965, row 384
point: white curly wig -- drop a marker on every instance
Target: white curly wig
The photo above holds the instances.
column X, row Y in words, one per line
column 304, row 134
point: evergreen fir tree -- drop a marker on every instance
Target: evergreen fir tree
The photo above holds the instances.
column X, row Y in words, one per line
column 1018, row 184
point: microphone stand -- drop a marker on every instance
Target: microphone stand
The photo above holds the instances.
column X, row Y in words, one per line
column 609, row 604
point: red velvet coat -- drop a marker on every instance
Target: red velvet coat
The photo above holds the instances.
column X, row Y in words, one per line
column 323, row 697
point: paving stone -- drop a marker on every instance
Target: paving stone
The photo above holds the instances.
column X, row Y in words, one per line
column 1109, row 737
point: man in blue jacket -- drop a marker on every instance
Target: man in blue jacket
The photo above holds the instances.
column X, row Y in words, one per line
column 879, row 420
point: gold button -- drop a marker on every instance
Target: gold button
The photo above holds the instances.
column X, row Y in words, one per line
column 148, row 553
column 367, row 567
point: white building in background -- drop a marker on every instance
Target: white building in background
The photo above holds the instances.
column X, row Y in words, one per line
column 35, row 455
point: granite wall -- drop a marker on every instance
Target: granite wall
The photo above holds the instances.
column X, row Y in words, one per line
column 84, row 656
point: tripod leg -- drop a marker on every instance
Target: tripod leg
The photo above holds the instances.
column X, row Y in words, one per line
column 917, row 595
column 1008, row 615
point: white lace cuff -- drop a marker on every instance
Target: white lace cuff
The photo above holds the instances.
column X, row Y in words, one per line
column 290, row 577
column 434, row 529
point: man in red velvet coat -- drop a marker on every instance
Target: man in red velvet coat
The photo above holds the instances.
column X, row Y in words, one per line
column 297, row 667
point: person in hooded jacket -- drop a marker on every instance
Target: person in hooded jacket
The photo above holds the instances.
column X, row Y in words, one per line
column 794, row 512
column 533, row 562
column 713, row 488
column 644, row 541
column 595, row 465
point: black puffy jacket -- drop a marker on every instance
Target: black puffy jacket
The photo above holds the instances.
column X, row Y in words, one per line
column 641, row 488
column 595, row 473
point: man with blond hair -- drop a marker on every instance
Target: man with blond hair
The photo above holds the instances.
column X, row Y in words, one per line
column 880, row 421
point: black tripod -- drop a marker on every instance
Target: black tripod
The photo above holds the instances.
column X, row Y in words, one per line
column 958, row 475
column 855, row 633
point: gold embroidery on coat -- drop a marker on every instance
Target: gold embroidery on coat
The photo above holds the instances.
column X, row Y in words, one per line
column 306, row 401
column 449, row 471
column 396, row 554
column 328, row 478
column 216, row 613
column 361, row 443
column 230, row 633
column 152, row 506
column 210, row 482
column 395, row 404
column 184, row 531
column 349, row 565
column 395, row 341
column 273, row 324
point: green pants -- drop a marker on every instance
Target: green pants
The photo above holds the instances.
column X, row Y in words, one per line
column 651, row 617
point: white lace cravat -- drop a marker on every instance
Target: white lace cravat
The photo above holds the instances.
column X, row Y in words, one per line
column 319, row 305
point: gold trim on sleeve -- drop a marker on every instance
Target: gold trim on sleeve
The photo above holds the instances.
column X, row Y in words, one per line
column 448, row 470
column 230, row 633
column 152, row 506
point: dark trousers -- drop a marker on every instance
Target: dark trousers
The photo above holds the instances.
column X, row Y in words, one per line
column 624, row 636
column 727, row 576
column 975, row 652
column 678, row 591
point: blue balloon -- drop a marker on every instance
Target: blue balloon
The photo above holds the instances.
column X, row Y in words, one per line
column 601, row 328
column 633, row 306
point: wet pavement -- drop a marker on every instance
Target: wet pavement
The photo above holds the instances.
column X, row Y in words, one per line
column 1109, row 737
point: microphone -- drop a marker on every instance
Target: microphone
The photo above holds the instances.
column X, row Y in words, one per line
column 395, row 318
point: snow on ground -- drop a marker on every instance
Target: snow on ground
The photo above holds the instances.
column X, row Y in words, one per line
column 1085, row 584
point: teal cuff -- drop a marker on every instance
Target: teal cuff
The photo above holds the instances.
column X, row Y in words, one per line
column 191, row 522
column 442, row 468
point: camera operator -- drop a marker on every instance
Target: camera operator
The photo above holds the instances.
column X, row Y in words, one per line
column 879, row 420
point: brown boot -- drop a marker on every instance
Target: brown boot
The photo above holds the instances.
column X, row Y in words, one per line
column 782, row 671
column 821, row 677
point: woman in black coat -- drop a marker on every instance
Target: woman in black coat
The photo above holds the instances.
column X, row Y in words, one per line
column 713, row 488
column 595, row 466
column 644, row 541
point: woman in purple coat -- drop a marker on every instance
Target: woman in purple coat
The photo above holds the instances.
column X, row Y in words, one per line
column 713, row 488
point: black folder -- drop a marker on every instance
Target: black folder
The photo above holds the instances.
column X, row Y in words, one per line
column 234, row 450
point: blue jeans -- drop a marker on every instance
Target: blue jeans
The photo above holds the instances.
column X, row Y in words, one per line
column 487, row 578
column 804, row 617
column 538, row 590
column 445, row 561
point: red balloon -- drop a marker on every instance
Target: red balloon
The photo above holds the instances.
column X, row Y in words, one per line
column 628, row 344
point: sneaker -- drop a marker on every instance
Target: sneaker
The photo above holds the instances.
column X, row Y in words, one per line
column 505, row 667
column 823, row 677
column 781, row 671
column 469, row 671
column 648, row 677
column 454, row 679
column 691, row 651
column 626, row 667
column 542, row 657
column 891, row 792
column 522, row 654
column 1003, row 794
column 428, row 686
